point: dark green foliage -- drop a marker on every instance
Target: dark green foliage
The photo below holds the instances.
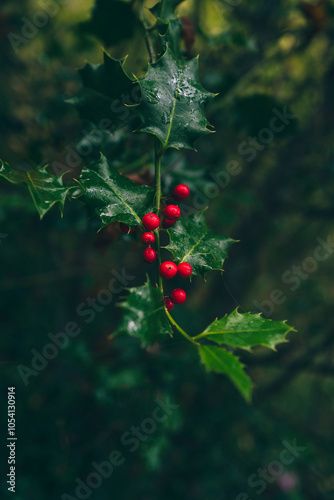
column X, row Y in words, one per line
column 144, row 314
column 111, row 21
column 112, row 197
column 192, row 241
column 278, row 202
column 106, row 90
column 173, row 102
column 46, row 190
column 165, row 9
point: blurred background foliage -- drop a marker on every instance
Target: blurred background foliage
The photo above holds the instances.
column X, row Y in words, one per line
column 259, row 56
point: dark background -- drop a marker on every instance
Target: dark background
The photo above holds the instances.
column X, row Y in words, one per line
column 259, row 56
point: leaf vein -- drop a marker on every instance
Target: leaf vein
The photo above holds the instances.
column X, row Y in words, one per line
column 118, row 196
column 173, row 111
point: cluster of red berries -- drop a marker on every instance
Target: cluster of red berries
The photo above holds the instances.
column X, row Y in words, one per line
column 167, row 269
column 151, row 222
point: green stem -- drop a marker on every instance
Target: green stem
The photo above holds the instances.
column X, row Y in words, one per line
column 148, row 39
column 158, row 154
column 157, row 204
column 159, row 261
column 157, row 176
column 173, row 322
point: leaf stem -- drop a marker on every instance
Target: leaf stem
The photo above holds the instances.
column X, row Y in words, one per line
column 173, row 322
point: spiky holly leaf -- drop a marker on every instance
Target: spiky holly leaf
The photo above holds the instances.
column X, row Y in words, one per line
column 246, row 331
column 173, row 102
column 190, row 240
column 171, row 37
column 112, row 197
column 221, row 361
column 111, row 21
column 46, row 190
column 144, row 314
column 106, row 90
column 165, row 9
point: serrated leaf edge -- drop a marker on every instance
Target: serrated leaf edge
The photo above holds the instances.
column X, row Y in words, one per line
column 30, row 185
column 272, row 346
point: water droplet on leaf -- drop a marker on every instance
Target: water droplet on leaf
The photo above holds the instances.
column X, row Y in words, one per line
column 165, row 118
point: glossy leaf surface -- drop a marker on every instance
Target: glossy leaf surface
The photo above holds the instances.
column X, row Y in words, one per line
column 173, row 102
column 246, row 331
column 46, row 190
column 144, row 314
column 192, row 241
column 221, row 361
column 113, row 197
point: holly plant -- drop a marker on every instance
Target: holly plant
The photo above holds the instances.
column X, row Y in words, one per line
column 169, row 104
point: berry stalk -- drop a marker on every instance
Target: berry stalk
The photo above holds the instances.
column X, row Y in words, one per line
column 177, row 326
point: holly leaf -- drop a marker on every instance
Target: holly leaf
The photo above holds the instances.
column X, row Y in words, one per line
column 190, row 240
column 111, row 21
column 144, row 314
column 173, row 102
column 165, row 9
column 113, row 197
column 172, row 35
column 221, row 361
column 46, row 190
column 106, row 90
column 246, row 331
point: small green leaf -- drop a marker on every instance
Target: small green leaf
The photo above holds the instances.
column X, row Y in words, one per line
column 46, row 190
column 192, row 241
column 106, row 90
column 171, row 37
column 165, row 9
column 246, row 331
column 144, row 314
column 221, row 361
column 173, row 102
column 111, row 21
column 113, row 197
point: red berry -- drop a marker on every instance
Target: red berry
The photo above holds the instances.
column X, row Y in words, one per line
column 181, row 191
column 148, row 238
column 178, row 296
column 184, row 270
column 151, row 221
column 166, row 223
column 172, row 212
column 125, row 229
column 168, row 270
column 149, row 255
column 169, row 304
